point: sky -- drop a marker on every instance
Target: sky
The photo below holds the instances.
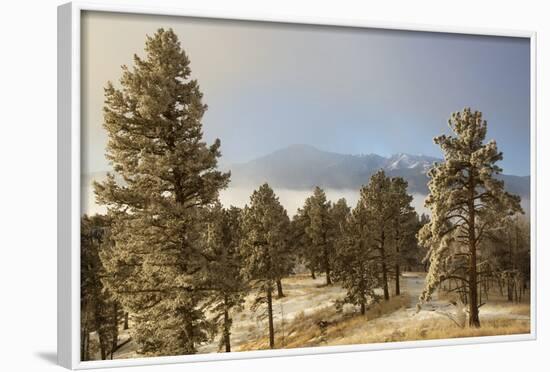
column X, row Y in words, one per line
column 345, row 90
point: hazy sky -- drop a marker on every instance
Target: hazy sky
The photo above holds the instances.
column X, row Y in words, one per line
column 345, row 90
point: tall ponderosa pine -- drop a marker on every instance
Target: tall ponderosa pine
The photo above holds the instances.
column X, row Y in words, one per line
column 100, row 312
column 155, row 145
column 300, row 240
column 466, row 200
column 264, row 247
column 377, row 199
column 301, row 229
column 318, row 231
column 402, row 224
column 221, row 238
column 355, row 264
column 339, row 213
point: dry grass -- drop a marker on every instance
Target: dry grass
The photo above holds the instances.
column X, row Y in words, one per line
column 307, row 330
column 435, row 329
column 304, row 330
column 499, row 320
column 523, row 309
column 386, row 307
column 378, row 326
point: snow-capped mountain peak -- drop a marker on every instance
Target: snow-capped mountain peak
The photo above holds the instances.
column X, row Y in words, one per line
column 408, row 161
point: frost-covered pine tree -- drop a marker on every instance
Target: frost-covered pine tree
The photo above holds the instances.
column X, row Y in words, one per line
column 318, row 231
column 402, row 223
column 301, row 242
column 355, row 263
column 155, row 145
column 223, row 275
column 466, row 200
column 339, row 213
column 100, row 312
column 378, row 201
column 264, row 247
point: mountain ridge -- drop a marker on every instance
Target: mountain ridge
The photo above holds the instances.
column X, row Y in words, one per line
column 303, row 166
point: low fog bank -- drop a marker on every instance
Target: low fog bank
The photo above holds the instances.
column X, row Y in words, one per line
column 290, row 199
column 239, row 196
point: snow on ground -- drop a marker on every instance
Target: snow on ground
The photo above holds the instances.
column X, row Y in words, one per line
column 302, row 294
column 128, row 348
column 434, row 310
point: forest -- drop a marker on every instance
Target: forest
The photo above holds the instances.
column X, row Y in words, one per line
column 169, row 270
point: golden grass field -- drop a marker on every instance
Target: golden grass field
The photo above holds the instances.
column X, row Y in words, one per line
column 393, row 321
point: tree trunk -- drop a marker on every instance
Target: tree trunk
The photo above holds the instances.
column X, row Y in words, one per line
column 87, row 354
column 126, row 321
column 312, row 274
column 189, row 346
column 397, row 257
column 327, row 264
column 84, row 344
column 280, row 293
column 510, row 296
column 83, row 330
column 226, row 332
column 397, row 273
column 472, row 278
column 384, row 268
column 363, row 308
column 385, row 281
column 114, row 342
column 270, row 318
column 102, row 348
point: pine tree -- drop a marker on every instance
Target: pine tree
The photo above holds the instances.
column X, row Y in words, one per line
column 301, row 242
column 402, row 223
column 265, row 247
column 153, row 122
column 466, row 200
column 377, row 199
column 100, row 312
column 318, row 230
column 507, row 253
column 224, row 277
column 413, row 254
column 339, row 213
column 355, row 261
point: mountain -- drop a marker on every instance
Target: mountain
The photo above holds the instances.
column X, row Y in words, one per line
column 303, row 167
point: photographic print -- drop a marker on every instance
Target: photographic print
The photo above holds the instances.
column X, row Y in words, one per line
column 251, row 185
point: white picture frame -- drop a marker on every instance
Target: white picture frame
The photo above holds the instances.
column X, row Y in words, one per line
column 69, row 64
